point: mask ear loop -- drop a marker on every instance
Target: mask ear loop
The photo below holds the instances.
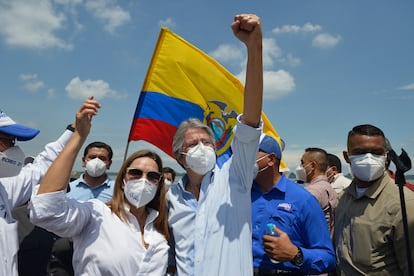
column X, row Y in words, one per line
column 263, row 157
column 332, row 175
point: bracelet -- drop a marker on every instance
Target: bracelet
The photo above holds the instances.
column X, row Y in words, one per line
column 70, row 127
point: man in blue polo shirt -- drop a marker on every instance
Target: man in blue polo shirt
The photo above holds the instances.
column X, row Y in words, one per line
column 302, row 243
column 94, row 183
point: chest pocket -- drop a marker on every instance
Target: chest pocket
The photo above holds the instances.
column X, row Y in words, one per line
column 284, row 219
column 365, row 237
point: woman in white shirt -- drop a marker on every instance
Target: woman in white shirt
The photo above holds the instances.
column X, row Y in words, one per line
column 126, row 236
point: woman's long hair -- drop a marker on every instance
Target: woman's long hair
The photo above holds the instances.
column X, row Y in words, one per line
column 158, row 202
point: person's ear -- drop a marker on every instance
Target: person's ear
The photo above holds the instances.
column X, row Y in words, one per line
column 273, row 160
column 180, row 158
column 346, row 157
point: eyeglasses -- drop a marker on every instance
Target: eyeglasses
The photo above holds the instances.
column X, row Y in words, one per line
column 12, row 141
column 152, row 176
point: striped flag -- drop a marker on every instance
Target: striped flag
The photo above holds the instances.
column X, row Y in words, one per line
column 183, row 82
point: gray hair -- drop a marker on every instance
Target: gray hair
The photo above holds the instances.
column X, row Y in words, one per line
column 178, row 139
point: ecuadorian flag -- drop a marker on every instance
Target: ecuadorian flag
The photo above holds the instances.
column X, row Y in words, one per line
column 183, row 82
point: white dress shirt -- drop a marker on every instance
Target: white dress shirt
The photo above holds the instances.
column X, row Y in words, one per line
column 213, row 235
column 103, row 243
column 16, row 191
column 340, row 182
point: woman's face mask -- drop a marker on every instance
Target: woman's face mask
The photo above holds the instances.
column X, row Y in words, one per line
column 139, row 192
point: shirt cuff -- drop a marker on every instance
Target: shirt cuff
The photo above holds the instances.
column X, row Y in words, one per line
column 244, row 132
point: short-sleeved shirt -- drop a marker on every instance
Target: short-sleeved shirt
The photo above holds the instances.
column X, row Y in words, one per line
column 80, row 190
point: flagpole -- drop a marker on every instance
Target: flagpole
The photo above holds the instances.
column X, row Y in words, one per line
column 126, row 151
column 403, row 164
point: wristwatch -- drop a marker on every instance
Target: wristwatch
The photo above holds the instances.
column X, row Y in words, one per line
column 298, row 259
column 70, row 127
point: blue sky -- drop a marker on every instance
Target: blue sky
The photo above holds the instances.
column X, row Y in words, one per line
column 329, row 65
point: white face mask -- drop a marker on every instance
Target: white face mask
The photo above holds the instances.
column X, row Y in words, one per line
column 367, row 167
column 95, row 167
column 300, row 173
column 201, row 159
column 139, row 191
column 11, row 161
column 167, row 184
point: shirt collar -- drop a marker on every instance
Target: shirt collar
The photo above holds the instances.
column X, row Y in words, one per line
column 375, row 189
column 152, row 213
column 319, row 178
column 82, row 181
column 184, row 180
column 281, row 185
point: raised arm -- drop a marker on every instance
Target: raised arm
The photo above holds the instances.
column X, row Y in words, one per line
column 247, row 28
column 57, row 176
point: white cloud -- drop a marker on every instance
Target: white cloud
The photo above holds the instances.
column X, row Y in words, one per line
column 271, row 51
column 310, row 28
column 113, row 16
column 169, row 23
column 291, row 60
column 31, row 24
column 292, row 157
column 70, row 9
column 277, row 84
column 78, row 89
column 326, row 40
column 31, row 82
column 407, row 87
column 68, row 2
column 306, row 28
column 228, row 53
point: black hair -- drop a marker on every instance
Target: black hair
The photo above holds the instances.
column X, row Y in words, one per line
column 320, row 156
column 169, row 170
column 99, row 145
column 366, row 129
column 333, row 160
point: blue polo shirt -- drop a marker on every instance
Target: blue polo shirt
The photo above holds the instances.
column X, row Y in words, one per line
column 81, row 191
column 295, row 211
